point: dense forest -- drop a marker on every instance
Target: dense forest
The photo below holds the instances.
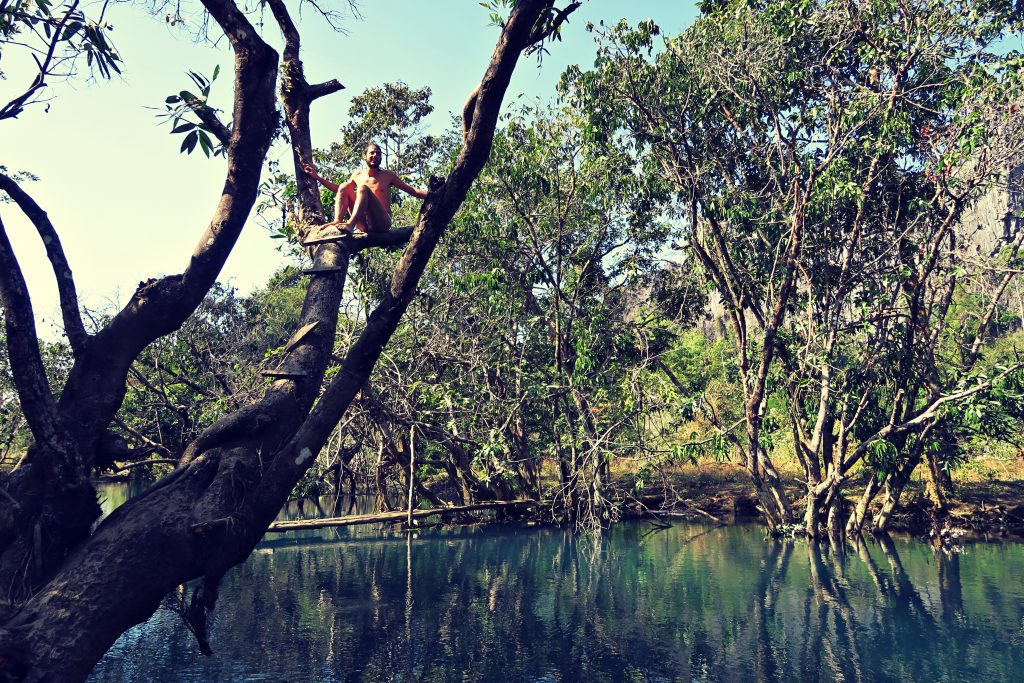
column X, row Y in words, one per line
column 776, row 253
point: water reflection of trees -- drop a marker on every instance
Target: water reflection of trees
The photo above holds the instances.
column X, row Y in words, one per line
column 686, row 603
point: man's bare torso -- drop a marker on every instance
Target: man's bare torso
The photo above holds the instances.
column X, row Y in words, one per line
column 379, row 184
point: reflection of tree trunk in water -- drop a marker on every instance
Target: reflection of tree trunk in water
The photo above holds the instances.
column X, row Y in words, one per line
column 872, row 569
column 906, row 594
column 950, row 588
column 835, row 616
column 775, row 565
column 380, row 480
column 408, row 607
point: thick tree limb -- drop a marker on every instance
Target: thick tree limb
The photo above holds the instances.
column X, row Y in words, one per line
column 73, row 327
column 58, row 503
column 95, row 385
column 23, row 348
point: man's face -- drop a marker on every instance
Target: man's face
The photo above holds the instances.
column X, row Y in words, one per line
column 372, row 156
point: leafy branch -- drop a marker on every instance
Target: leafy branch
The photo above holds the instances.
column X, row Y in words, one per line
column 192, row 116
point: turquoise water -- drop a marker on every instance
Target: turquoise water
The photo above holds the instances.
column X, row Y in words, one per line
column 686, row 603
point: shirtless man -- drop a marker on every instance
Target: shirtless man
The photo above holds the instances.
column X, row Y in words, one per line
column 366, row 197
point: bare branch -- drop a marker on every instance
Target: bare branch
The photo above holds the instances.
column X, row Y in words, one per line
column 30, row 379
column 141, row 463
column 73, row 326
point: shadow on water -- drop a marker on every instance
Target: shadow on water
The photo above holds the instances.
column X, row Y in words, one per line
column 689, row 603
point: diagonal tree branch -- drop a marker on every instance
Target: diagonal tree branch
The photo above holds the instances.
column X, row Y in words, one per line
column 57, row 500
column 73, row 327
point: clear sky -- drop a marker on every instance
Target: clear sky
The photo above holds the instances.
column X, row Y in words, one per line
column 129, row 207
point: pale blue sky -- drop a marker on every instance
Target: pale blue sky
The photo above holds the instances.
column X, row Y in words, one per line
column 128, row 206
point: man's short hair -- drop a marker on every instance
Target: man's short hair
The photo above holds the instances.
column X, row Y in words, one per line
column 372, row 144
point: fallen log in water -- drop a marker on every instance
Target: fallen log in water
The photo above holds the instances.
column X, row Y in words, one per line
column 397, row 516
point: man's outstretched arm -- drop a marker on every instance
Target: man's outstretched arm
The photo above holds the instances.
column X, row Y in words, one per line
column 408, row 189
column 311, row 171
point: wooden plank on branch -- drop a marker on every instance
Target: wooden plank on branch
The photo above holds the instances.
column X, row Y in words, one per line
column 300, row 335
column 326, row 239
column 283, row 374
column 363, row 240
column 384, row 517
column 322, row 271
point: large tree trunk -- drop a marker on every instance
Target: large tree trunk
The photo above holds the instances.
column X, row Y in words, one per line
column 208, row 514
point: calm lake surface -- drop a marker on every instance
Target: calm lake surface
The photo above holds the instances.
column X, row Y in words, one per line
column 686, row 603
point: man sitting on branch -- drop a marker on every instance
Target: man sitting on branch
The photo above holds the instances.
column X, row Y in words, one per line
column 366, row 197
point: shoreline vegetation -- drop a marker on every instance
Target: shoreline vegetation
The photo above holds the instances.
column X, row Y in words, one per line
column 981, row 506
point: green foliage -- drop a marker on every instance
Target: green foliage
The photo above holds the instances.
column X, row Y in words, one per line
column 180, row 112
column 64, row 25
column 56, row 35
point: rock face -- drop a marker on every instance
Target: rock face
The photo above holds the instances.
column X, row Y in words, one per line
column 997, row 216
